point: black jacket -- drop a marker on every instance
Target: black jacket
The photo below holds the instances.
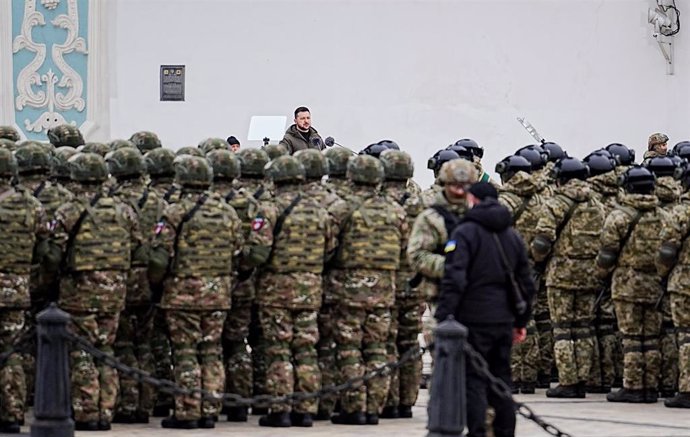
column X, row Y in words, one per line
column 475, row 287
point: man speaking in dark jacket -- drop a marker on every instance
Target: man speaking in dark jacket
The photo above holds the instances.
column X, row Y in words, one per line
column 477, row 291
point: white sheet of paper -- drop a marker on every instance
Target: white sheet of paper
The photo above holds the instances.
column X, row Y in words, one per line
column 271, row 126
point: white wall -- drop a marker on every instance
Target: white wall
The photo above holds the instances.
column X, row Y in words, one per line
column 423, row 72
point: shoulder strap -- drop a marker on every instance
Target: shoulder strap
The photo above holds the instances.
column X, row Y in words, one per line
column 77, row 226
column 521, row 209
column 516, row 293
column 39, row 189
column 281, row 218
column 449, row 219
column 631, row 228
column 187, row 217
column 404, row 197
column 144, row 197
column 168, row 194
column 567, row 216
column 231, row 195
column 504, row 258
column 259, row 192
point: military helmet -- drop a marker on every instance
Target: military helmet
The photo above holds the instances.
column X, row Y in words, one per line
column 10, row 133
column 275, row 150
column 159, row 163
column 225, row 164
column 314, row 162
column 285, row 169
column 604, row 152
column 389, row 144
column 365, row 170
column 457, row 172
column 512, row 164
column 61, row 169
column 210, row 144
column 677, row 160
column 252, row 162
column 126, row 162
column 682, row 149
column 98, row 148
column 441, row 157
column 397, row 165
column 337, row 161
column 569, row 168
column 119, row 144
column 145, row 141
column 8, row 144
column 660, row 165
column 87, row 167
column 637, row 179
column 600, row 163
column 472, row 146
column 623, row 154
column 656, row 139
column 32, row 158
column 462, row 151
column 374, row 150
column 189, row 150
column 682, row 174
column 65, row 135
column 535, row 154
column 554, row 151
column 8, row 164
column 192, row 171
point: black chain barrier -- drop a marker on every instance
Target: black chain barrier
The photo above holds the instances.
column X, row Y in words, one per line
column 23, row 344
column 501, row 389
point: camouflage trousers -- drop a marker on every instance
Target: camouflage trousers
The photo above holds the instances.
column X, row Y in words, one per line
column 291, row 336
column 12, row 380
column 406, row 325
column 639, row 324
column 361, row 336
column 668, row 345
column 238, row 361
column 607, row 355
column 572, row 312
column 197, row 359
column 542, row 319
column 680, row 308
column 258, row 347
column 524, row 357
column 162, row 355
column 326, row 351
column 133, row 348
column 94, row 386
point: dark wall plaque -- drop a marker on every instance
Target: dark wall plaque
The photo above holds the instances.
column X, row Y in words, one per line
column 172, row 83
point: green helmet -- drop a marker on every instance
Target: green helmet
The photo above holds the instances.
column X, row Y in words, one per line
column 285, row 169
column 9, row 133
column 97, row 148
column 65, row 135
column 211, row 144
column 146, row 141
column 365, row 170
column 32, row 157
column 8, row 164
column 8, row 144
column 252, row 162
column 61, row 170
column 119, row 144
column 275, row 150
column 397, row 165
column 314, row 162
column 159, row 163
column 337, row 161
column 193, row 171
column 457, row 171
column 226, row 165
column 191, row 151
column 87, row 168
column 126, row 162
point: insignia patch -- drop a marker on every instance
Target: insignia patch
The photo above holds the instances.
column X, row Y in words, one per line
column 258, row 224
column 450, row 246
column 158, row 228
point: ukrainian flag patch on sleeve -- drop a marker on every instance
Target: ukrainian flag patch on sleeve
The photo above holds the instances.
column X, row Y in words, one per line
column 450, row 246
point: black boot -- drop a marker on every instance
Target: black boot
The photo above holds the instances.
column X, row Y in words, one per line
column 304, row 420
column 237, row 414
column 372, row 419
column 91, row 425
column 323, row 415
column 356, row 418
column 598, row 389
column 10, row 427
column 141, row 417
column 124, row 418
column 543, row 381
column 667, row 392
column 515, row 387
column 651, row 395
column 405, row 411
column 390, row 412
column 276, row 420
column 626, row 395
column 565, row 392
column 527, row 388
column 207, row 423
column 259, row 411
column 104, row 425
column 161, row 410
column 681, row 400
column 175, row 423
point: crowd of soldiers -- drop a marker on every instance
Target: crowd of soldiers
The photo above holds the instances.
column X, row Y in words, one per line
column 265, row 272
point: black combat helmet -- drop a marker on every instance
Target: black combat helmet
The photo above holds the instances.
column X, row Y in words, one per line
column 679, row 146
column 374, row 150
column 535, row 155
column 682, row 174
column 682, row 150
column 638, row 180
column 511, row 165
column 570, row 168
column 462, row 152
column 554, row 151
column 623, row 154
column 389, row 144
column 660, row 165
column 600, row 162
column 441, row 157
column 472, row 146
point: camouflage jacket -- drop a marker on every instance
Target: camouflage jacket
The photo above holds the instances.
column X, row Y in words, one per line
column 430, row 195
column 676, row 233
column 334, row 204
column 668, row 190
column 165, row 189
column 521, row 196
column 580, row 216
column 546, row 181
column 259, row 188
column 606, row 189
column 340, row 186
column 21, row 231
column 100, row 290
column 635, row 278
column 51, row 195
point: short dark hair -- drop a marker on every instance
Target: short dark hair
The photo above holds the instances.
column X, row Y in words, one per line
column 301, row 109
column 232, row 140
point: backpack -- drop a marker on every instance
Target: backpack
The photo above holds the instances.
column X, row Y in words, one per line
column 17, row 231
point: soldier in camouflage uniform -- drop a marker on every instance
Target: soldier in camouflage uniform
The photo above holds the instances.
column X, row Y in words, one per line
column 97, row 148
column 210, row 144
column 9, row 133
column 22, row 227
column 568, row 231
column 635, row 286
column 656, row 146
column 406, row 315
column 132, row 343
column 194, row 246
column 59, row 174
column 435, row 163
column 674, row 255
column 238, row 363
column 8, row 144
column 477, row 152
column 337, row 167
column 65, row 135
column 189, row 150
column 316, row 167
column 520, row 194
column 668, row 190
column 607, row 354
column 120, row 144
column 145, row 141
column 363, row 285
column 97, row 236
column 159, row 166
column 275, row 150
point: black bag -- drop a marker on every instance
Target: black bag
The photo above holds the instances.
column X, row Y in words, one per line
column 516, row 294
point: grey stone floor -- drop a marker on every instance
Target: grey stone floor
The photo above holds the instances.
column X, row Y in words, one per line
column 591, row 417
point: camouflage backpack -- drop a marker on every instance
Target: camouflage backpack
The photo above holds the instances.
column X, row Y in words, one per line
column 17, row 231
column 579, row 238
column 645, row 239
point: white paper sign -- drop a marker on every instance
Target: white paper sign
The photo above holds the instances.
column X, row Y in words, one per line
column 267, row 126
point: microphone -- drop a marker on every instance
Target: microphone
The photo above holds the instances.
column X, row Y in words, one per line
column 329, row 141
column 316, row 143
